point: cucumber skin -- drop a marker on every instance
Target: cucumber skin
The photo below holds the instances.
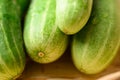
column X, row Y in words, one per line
column 96, row 45
column 12, row 57
column 72, row 15
column 41, row 34
column 23, row 5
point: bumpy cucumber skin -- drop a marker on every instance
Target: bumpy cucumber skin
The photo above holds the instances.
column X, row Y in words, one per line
column 12, row 57
column 72, row 15
column 41, row 33
column 96, row 45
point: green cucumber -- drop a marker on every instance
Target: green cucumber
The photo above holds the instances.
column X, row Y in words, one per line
column 72, row 15
column 23, row 5
column 12, row 57
column 44, row 41
column 95, row 46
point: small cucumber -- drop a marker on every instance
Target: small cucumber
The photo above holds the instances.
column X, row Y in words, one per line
column 12, row 57
column 44, row 41
column 96, row 45
column 72, row 15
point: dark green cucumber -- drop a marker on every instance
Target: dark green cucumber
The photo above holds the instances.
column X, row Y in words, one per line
column 72, row 15
column 12, row 57
column 44, row 41
column 96, row 45
column 23, row 5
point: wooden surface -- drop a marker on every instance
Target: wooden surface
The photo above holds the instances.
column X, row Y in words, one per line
column 63, row 69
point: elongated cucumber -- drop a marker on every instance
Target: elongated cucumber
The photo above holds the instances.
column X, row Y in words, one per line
column 72, row 15
column 96, row 45
column 44, row 41
column 12, row 57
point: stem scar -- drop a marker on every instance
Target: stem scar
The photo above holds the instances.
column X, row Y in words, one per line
column 41, row 54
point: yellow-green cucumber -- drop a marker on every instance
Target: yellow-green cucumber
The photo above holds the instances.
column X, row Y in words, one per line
column 12, row 57
column 72, row 15
column 44, row 41
column 95, row 46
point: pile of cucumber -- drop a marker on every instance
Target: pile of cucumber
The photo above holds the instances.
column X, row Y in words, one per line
column 93, row 24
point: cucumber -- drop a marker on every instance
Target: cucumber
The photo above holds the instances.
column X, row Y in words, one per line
column 95, row 46
column 44, row 41
column 12, row 57
column 23, row 5
column 72, row 15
